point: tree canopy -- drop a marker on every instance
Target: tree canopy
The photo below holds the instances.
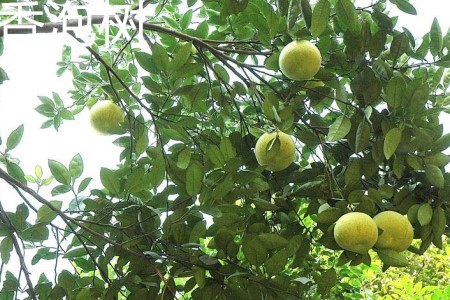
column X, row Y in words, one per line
column 188, row 212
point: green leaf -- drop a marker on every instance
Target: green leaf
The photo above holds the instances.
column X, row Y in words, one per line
column 233, row 7
column 399, row 45
column 306, row 12
column 141, row 143
column 45, row 214
column 366, row 86
column 272, row 62
column 391, row 142
column 221, row 73
column 339, row 129
column 227, row 149
column 276, row 263
column 320, row 17
column 184, row 158
column 3, row 76
column 84, row 184
column 392, row 258
column 347, row 15
column 417, row 93
column 43, row 253
column 435, row 38
column 273, row 241
column 434, row 175
column 326, row 281
column 145, row 60
column 186, row 19
column 438, row 159
column 425, row 214
column 76, row 166
column 110, row 181
column 14, row 138
column 6, row 246
column 158, row 171
column 215, row 156
column 331, row 215
column 16, row 172
column 405, row 6
column 88, row 78
column 59, row 171
column 137, row 181
column 160, row 57
column 254, row 251
column 395, row 91
column 194, row 178
column 353, row 173
column 182, row 56
column 61, row 189
column 399, row 166
column 441, row 143
column 36, row 233
column 362, row 136
column 78, row 252
column 438, row 222
column 223, row 188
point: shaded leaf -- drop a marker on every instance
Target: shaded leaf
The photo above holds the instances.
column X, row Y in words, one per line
column 194, row 178
column 347, row 14
column 392, row 258
column 320, row 17
column 110, row 181
column 45, row 214
column 254, row 251
column 276, row 263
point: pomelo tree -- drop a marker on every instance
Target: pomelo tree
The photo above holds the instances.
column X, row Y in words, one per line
column 189, row 213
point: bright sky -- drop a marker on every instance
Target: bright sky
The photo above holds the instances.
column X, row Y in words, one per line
column 30, row 62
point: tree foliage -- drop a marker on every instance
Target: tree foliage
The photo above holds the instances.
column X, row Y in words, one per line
column 188, row 212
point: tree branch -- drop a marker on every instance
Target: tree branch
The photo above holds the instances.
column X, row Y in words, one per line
column 13, row 232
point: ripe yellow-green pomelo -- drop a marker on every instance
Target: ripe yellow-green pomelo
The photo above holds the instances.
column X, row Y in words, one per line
column 356, row 232
column 275, row 150
column 106, row 117
column 300, row 60
column 397, row 232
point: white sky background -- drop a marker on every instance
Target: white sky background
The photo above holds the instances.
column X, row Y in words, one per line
column 30, row 62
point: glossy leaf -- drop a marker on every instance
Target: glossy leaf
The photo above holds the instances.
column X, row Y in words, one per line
column 435, row 38
column 339, row 129
column 425, row 214
column 391, row 142
column 14, row 138
column 434, row 175
column 59, row 171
